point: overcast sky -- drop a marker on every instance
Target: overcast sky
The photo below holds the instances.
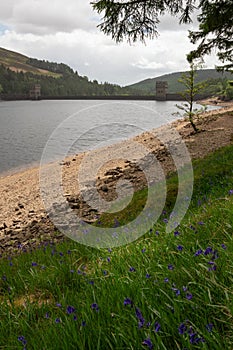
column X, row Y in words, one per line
column 66, row 31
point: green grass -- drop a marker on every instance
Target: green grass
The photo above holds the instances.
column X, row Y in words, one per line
column 163, row 275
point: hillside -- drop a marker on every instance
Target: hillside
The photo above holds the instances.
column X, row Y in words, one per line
column 20, row 63
column 211, row 75
column 18, row 73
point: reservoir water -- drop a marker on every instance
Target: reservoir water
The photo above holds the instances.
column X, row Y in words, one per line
column 26, row 126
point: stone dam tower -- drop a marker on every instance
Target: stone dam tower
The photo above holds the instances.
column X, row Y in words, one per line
column 161, row 90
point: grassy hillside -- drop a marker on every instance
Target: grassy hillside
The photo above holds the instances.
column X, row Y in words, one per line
column 19, row 63
column 164, row 291
column 174, row 86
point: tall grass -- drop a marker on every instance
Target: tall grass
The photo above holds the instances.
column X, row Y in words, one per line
column 164, row 291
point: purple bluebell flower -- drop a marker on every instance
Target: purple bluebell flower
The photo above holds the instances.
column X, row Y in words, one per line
column 165, row 221
column 143, row 250
column 47, row 315
column 190, row 330
column 57, row 320
column 223, row 246
column 83, row 324
column 208, row 251
column 148, row 275
column 157, row 326
column 198, row 252
column 70, row 309
column 132, row 269
column 230, row 192
column 213, row 266
column 177, row 291
column 34, row 263
column 22, row 340
column 138, row 313
column 189, row 296
column 108, row 259
column 141, row 323
column 180, row 248
column 209, row 327
column 148, row 343
column 139, row 317
column 176, row 233
column 128, row 301
column 105, row 272
column 157, row 233
column 201, row 223
column 91, row 282
column 182, row 328
column 95, row 306
column 75, row 317
column 194, row 339
column 58, row 305
column 185, row 288
column 215, row 255
column 170, row 267
column 166, row 279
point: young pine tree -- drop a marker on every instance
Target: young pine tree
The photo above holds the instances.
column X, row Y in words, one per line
column 189, row 94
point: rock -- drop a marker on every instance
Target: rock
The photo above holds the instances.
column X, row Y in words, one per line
column 3, row 227
column 104, row 188
column 15, row 222
column 74, row 205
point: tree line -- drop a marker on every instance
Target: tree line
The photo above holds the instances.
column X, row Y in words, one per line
column 69, row 83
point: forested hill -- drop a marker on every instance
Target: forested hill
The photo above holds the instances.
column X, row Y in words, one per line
column 215, row 81
column 18, row 73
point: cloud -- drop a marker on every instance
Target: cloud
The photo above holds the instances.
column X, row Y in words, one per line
column 44, row 17
column 144, row 63
column 66, row 32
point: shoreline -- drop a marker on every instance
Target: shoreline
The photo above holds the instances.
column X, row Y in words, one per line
column 23, row 219
column 24, row 167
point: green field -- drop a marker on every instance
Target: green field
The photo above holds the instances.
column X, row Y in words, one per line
column 164, row 291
